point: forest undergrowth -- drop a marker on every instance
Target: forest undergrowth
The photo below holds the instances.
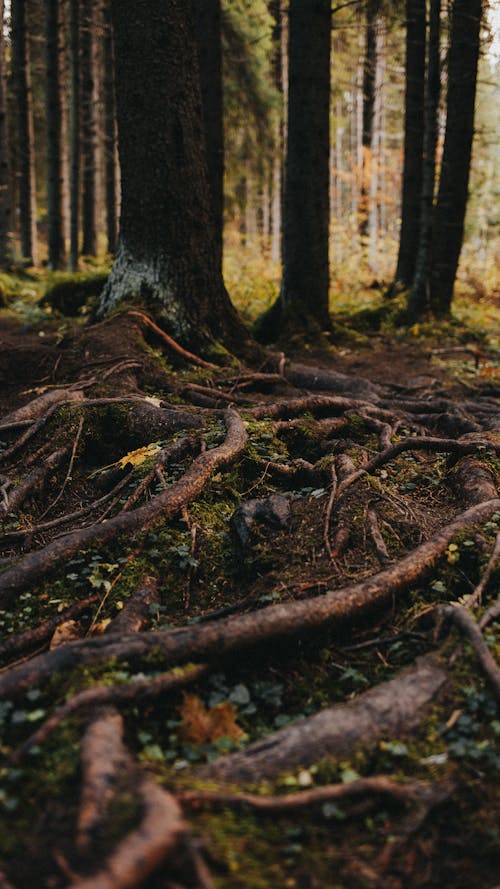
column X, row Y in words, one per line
column 248, row 614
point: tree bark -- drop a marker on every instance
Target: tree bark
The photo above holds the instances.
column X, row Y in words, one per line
column 418, row 301
column 26, row 140
column 89, row 128
column 369, row 81
column 207, row 22
column 54, row 135
column 5, row 195
column 110, row 133
column 74, row 126
column 451, row 203
column 167, row 253
column 414, row 141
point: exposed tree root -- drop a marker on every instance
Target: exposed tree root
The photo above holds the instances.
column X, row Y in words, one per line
column 39, row 563
column 34, row 410
column 32, row 484
column 376, row 786
column 476, row 597
column 31, row 638
column 388, row 710
column 349, row 603
column 171, row 343
column 466, row 623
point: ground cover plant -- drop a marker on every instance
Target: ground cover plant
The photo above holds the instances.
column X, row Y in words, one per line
column 248, row 612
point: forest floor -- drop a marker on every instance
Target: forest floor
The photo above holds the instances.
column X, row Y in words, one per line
column 248, row 614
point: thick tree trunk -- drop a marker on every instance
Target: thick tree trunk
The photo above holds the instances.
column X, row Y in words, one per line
column 414, row 141
column 207, row 22
column 369, row 82
column 418, row 301
column 304, row 291
column 89, row 128
column 54, row 135
column 110, row 135
column 26, row 140
column 167, row 252
column 5, row 196
column 454, row 181
column 74, row 127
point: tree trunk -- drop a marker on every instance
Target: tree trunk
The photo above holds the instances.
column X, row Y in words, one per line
column 304, row 290
column 89, row 128
column 207, row 21
column 54, row 136
column 167, row 253
column 276, row 179
column 454, row 181
column 369, row 78
column 418, row 301
column 74, row 127
column 26, row 140
column 5, row 196
column 414, row 141
column 110, row 140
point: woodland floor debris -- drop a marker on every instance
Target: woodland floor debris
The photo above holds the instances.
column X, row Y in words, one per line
column 315, row 640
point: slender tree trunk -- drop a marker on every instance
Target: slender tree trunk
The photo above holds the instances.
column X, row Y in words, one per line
column 276, row 201
column 5, row 194
column 369, row 78
column 54, row 135
column 110, row 134
column 26, row 140
column 454, row 181
column 413, row 141
column 166, row 252
column 207, row 22
column 304, row 290
column 418, row 301
column 74, row 127
column 89, row 128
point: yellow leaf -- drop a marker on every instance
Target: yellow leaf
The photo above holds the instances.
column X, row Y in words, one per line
column 139, row 456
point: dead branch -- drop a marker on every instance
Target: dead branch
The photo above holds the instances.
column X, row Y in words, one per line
column 39, row 563
column 388, row 710
column 44, row 632
column 466, row 623
column 376, row 786
column 349, row 603
column 171, row 343
column 33, row 483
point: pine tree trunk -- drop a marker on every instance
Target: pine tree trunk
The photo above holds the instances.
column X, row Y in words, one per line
column 276, row 178
column 304, row 291
column 25, row 131
column 89, row 128
column 167, row 253
column 74, row 127
column 454, row 181
column 207, row 21
column 110, row 140
column 369, row 77
column 54, row 136
column 418, row 301
column 5, row 195
column 413, row 141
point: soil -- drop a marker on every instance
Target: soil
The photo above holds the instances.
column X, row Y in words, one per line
column 205, row 574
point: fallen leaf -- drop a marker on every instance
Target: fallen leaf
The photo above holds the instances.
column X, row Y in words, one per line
column 201, row 725
column 65, row 632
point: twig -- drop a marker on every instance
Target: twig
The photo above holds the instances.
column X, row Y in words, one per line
column 378, row 541
column 475, row 597
column 194, row 359
column 328, row 514
column 70, row 469
column 471, row 629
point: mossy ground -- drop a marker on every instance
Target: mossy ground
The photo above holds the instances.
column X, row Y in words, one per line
column 199, row 574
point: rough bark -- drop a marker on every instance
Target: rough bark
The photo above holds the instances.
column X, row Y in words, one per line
column 5, row 195
column 167, row 251
column 385, row 711
column 54, row 134
column 25, row 132
column 451, row 202
column 369, row 83
column 418, row 301
column 110, row 132
column 74, row 132
column 89, row 127
column 207, row 24
column 413, row 141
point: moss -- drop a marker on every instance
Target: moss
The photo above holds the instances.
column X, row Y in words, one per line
column 74, row 294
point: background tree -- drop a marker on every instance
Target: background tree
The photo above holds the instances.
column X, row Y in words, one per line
column 167, row 252
column 25, row 132
column 369, row 81
column 455, row 168
column 89, row 125
column 74, row 131
column 413, row 140
column 110, row 134
column 5, row 189
column 55, row 208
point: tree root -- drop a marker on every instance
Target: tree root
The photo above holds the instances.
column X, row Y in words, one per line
column 171, row 343
column 221, row 637
column 34, row 410
column 32, row 484
column 42, row 633
column 39, row 563
column 387, row 710
column 466, row 623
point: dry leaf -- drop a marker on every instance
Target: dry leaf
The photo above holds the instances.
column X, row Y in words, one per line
column 201, row 725
column 139, row 456
column 101, row 625
column 65, row 632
